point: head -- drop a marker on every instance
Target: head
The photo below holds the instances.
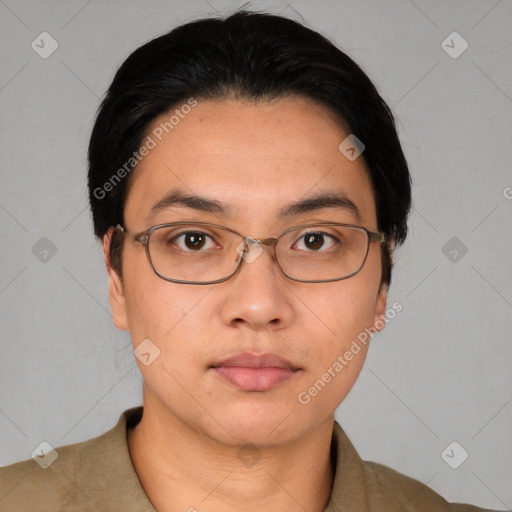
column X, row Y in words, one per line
column 248, row 112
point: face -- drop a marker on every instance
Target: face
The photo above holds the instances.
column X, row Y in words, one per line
column 253, row 159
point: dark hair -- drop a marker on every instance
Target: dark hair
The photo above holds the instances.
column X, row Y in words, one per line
column 253, row 56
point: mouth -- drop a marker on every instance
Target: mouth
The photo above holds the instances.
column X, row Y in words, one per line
column 255, row 372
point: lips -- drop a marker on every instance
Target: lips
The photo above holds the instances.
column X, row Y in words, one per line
column 251, row 360
column 255, row 372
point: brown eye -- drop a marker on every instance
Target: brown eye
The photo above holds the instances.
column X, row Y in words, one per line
column 192, row 241
column 316, row 241
column 195, row 240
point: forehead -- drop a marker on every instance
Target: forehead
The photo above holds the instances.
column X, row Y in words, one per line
column 253, row 158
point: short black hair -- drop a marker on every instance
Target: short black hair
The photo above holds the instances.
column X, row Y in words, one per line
column 252, row 56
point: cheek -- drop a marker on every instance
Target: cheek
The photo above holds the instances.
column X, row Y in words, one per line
column 173, row 316
column 341, row 317
column 338, row 348
column 168, row 318
column 150, row 312
column 153, row 304
column 145, row 307
column 348, row 307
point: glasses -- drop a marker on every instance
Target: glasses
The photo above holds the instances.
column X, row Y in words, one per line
column 204, row 253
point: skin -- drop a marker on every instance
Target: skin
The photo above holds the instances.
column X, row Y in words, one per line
column 254, row 158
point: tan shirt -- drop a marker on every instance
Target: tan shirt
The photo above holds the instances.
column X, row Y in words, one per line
column 97, row 475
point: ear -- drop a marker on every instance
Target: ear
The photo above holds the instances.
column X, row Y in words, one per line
column 115, row 287
column 382, row 297
column 380, row 310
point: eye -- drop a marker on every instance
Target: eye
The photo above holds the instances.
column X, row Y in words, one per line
column 192, row 240
column 315, row 240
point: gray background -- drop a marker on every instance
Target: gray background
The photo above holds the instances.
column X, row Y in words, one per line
column 439, row 372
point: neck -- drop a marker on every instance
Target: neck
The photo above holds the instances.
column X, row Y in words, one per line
column 181, row 468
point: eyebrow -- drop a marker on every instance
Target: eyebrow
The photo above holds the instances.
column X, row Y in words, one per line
column 328, row 200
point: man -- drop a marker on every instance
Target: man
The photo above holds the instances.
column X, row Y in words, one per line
column 248, row 185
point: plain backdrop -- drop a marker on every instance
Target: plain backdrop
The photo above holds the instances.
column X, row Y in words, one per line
column 440, row 370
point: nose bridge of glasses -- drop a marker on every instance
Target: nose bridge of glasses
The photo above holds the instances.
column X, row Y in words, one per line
column 249, row 242
column 250, row 248
column 260, row 241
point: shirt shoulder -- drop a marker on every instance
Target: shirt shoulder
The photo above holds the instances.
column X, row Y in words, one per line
column 386, row 484
column 361, row 485
column 27, row 486
column 96, row 474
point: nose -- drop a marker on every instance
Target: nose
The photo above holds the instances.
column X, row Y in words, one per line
column 258, row 295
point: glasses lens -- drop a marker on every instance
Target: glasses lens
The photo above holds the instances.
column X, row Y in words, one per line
column 193, row 252
column 199, row 253
column 322, row 252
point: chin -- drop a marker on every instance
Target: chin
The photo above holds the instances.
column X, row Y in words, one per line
column 256, row 425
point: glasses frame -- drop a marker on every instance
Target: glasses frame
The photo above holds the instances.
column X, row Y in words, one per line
column 143, row 238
